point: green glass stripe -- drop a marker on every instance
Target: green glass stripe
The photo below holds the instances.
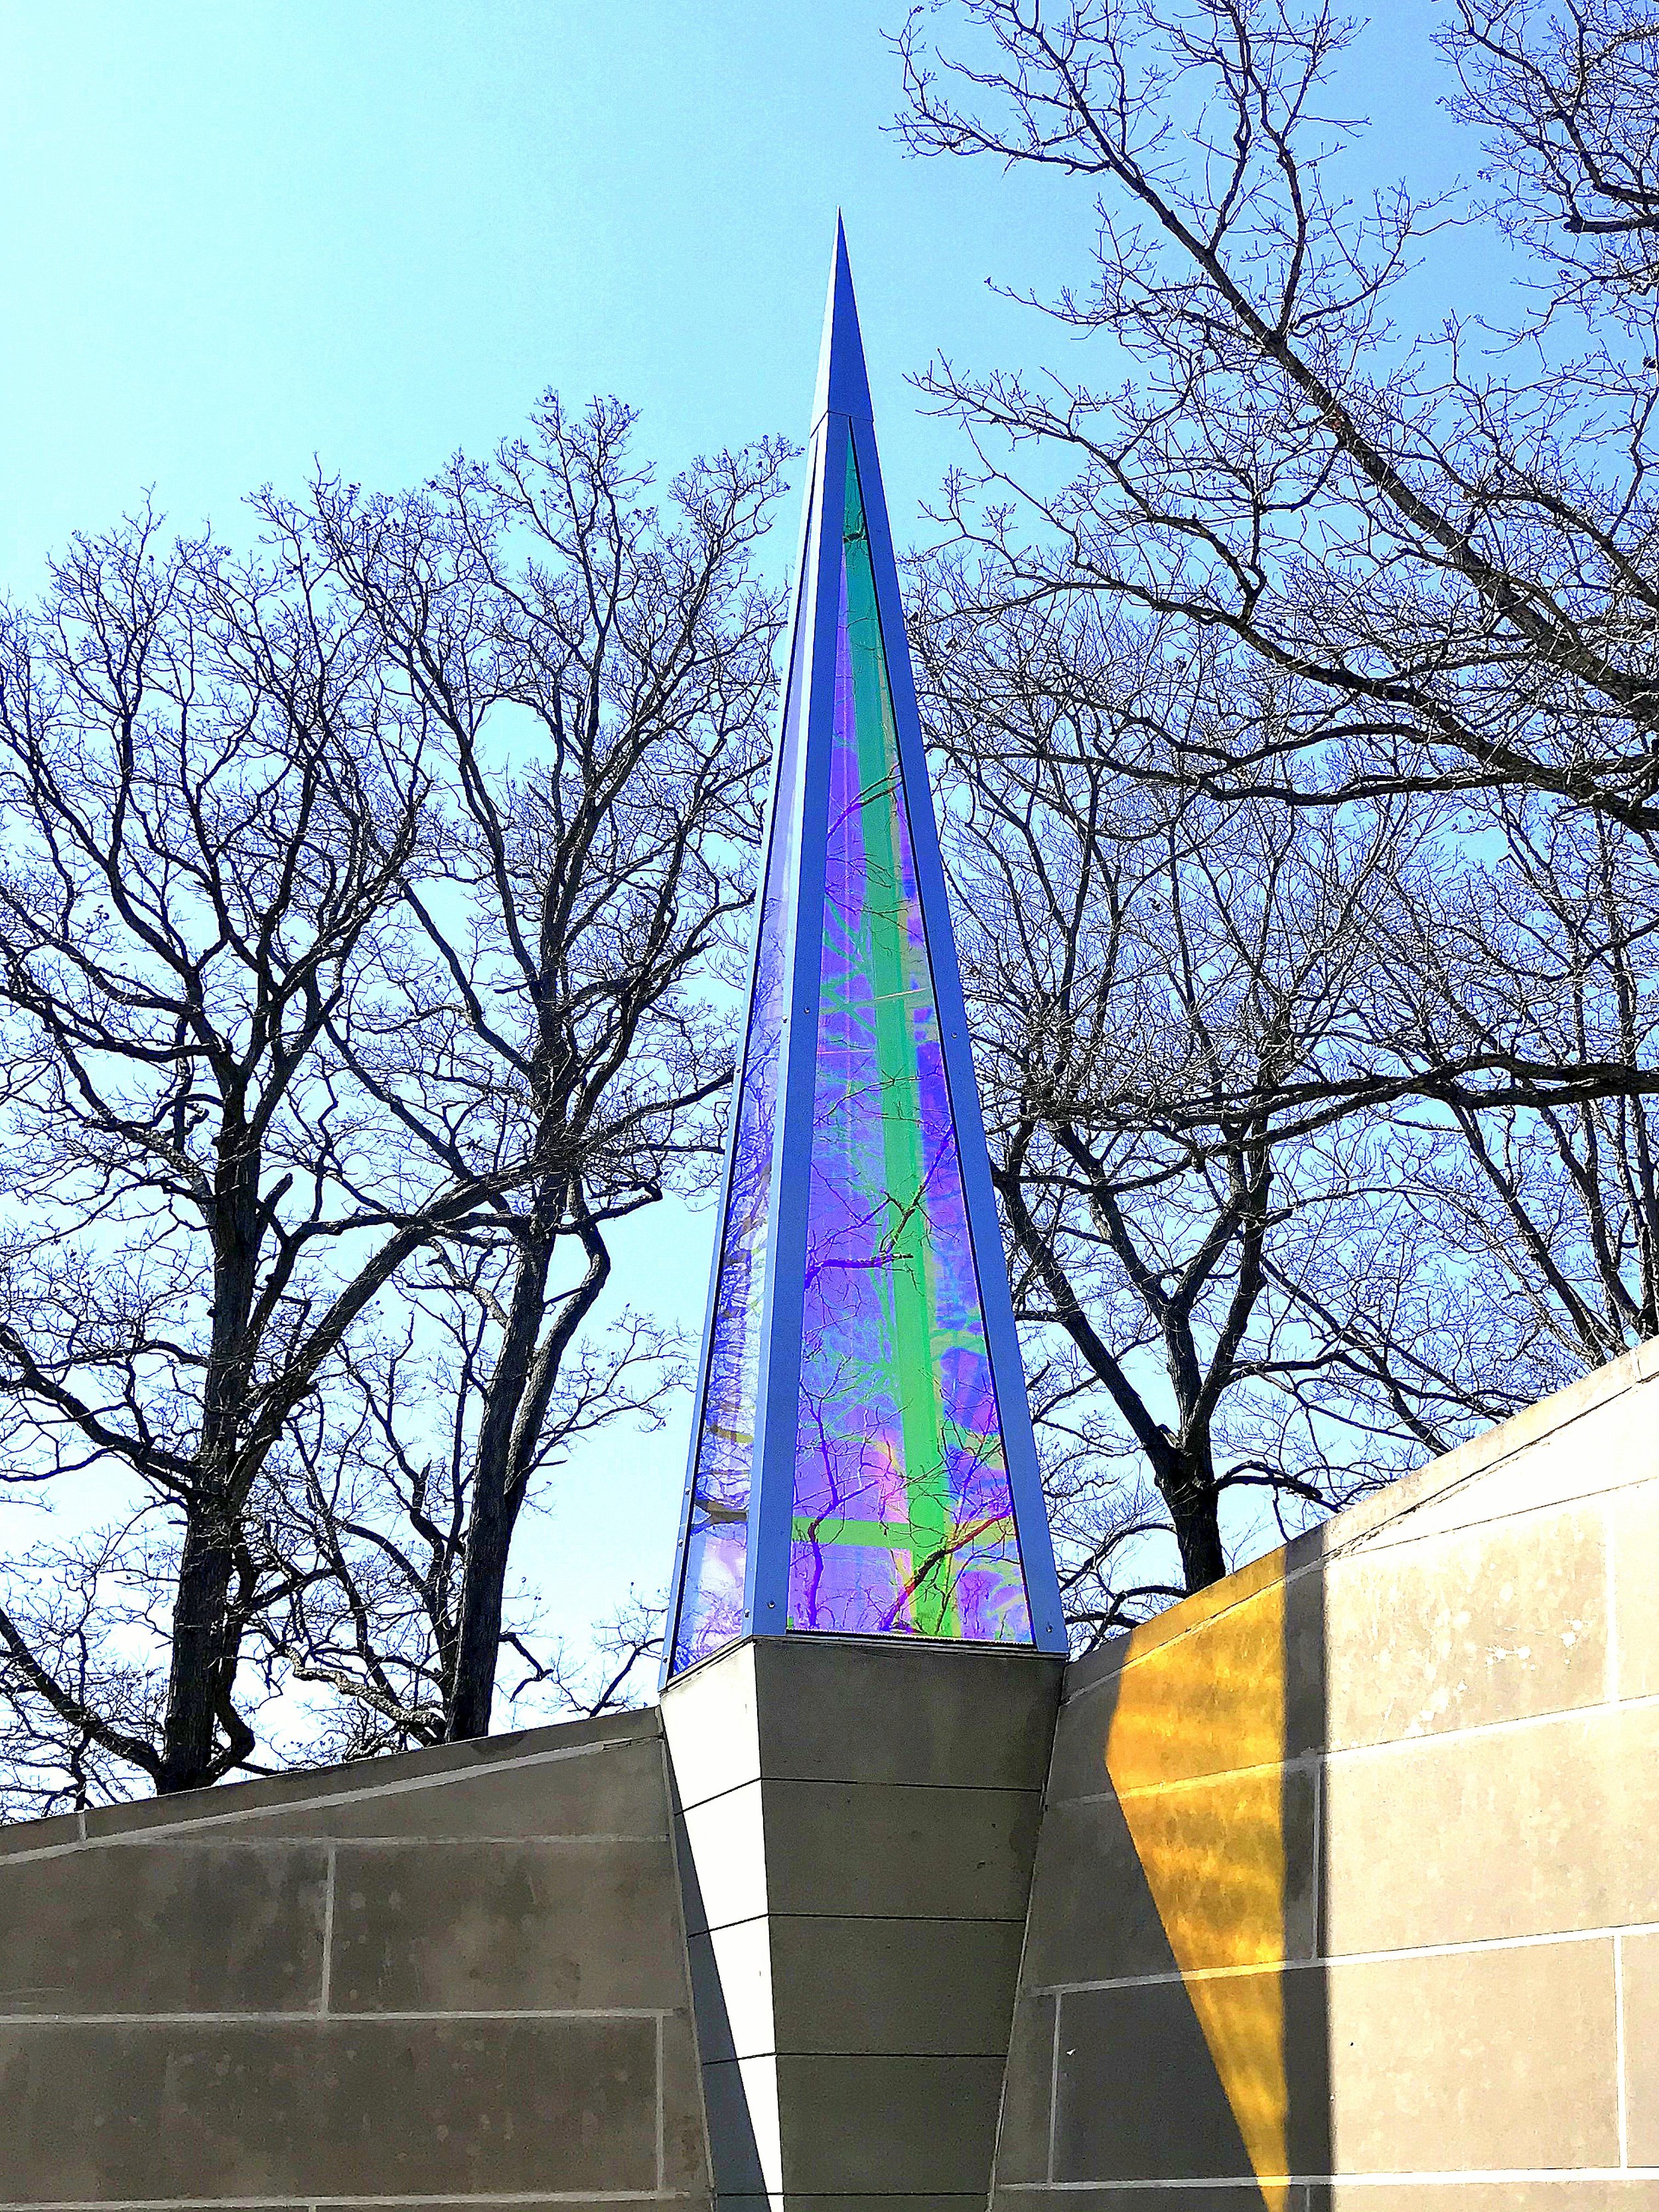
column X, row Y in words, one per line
column 915, row 1370
column 894, row 1535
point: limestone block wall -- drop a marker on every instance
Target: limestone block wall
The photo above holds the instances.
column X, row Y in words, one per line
column 1347, row 1892
column 459, row 1976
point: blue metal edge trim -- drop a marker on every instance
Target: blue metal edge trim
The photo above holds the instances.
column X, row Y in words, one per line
column 772, row 1500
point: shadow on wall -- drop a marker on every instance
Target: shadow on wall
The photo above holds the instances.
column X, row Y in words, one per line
column 1173, row 2022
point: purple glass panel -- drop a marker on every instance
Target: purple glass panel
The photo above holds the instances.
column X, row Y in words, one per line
column 903, row 1517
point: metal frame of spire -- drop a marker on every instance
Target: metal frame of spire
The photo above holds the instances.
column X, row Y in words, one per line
column 842, row 418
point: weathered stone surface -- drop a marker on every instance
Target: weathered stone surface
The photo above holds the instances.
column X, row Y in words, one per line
column 907, row 2201
column 1027, row 2105
column 613, row 1787
column 1130, row 2058
column 24, row 1838
column 740, row 2096
column 1639, row 1974
column 210, row 2054
column 834, row 1847
column 1604, row 2193
column 974, row 1717
column 327, row 1800
column 859, row 1849
column 1193, row 2196
column 1093, row 1916
column 889, row 2126
column 685, row 2127
column 348, row 2108
column 1528, row 1830
column 1501, row 1622
column 438, row 1926
column 1445, row 1663
column 928, row 1987
column 1633, row 1526
column 166, row 1927
column 710, row 1724
column 1463, row 2061
column 863, row 1927
column 722, row 1858
column 731, row 1990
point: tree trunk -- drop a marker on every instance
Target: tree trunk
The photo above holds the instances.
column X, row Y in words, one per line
column 199, row 1622
column 495, row 1497
column 1185, row 1481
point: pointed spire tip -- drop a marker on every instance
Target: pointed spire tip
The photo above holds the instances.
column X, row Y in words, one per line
column 843, row 383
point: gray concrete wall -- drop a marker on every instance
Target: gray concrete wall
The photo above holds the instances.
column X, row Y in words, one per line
column 857, row 1824
column 459, row 1976
column 1348, row 1886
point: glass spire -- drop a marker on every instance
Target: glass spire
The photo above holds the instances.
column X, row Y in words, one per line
column 862, row 1461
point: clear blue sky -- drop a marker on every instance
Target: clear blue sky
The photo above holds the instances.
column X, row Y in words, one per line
column 235, row 236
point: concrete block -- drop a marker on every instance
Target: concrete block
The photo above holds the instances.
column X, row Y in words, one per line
column 956, row 1717
column 1556, row 1453
column 1530, row 1831
column 939, row 1987
column 711, row 1728
column 1616, row 2193
column 888, row 2126
column 1193, row 2196
column 511, row 1925
column 1503, row 1622
column 1093, row 1916
column 1639, row 1976
column 1462, row 2061
column 1563, row 2193
column 875, row 1848
column 389, row 1783
column 724, row 1860
column 1130, row 2058
column 1022, row 2131
column 1230, row 1679
column 685, row 2128
column 61, row 1831
column 741, row 2099
column 184, row 1927
column 792, row 2200
column 610, row 1788
column 359, row 2108
column 1633, row 1531
column 731, row 1990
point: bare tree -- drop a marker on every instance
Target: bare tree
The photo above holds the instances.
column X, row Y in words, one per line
column 1568, row 100
column 203, row 827
column 305, row 973
column 596, row 673
column 378, row 1495
column 1547, row 1213
column 1269, row 1244
column 1276, row 552
column 1429, row 564
column 1167, row 990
